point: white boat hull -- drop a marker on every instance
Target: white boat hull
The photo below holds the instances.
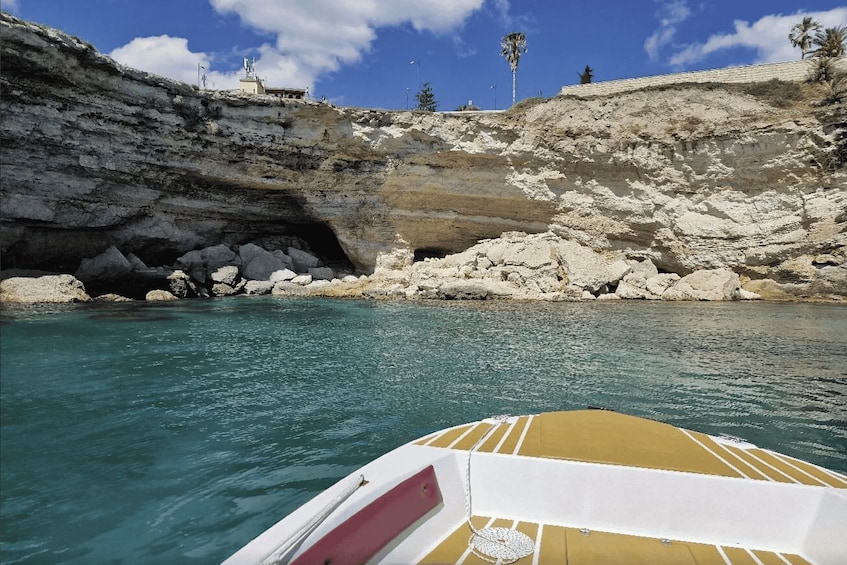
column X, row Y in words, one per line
column 593, row 479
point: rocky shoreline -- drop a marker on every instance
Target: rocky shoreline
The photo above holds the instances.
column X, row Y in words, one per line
column 515, row 266
column 645, row 194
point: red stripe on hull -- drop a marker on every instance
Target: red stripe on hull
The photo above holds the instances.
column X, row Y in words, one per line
column 362, row 535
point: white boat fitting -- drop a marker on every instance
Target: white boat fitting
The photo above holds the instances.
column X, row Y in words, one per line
column 580, row 487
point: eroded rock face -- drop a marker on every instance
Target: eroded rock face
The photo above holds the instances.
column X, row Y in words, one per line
column 532, row 267
column 693, row 178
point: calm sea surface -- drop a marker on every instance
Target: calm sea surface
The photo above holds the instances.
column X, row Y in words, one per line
column 175, row 433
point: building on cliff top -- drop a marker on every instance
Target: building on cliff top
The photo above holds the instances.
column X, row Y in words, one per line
column 252, row 84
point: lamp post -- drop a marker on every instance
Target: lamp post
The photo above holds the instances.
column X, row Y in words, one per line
column 494, row 88
column 199, row 67
column 407, row 97
column 418, row 63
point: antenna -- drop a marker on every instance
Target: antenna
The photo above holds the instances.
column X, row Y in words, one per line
column 249, row 67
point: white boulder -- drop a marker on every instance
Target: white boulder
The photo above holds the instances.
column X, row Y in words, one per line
column 160, row 296
column 223, row 289
column 181, row 285
column 706, row 284
column 258, row 287
column 660, row 283
column 227, row 275
column 282, row 275
column 462, row 290
column 302, row 280
column 48, row 288
column 395, row 260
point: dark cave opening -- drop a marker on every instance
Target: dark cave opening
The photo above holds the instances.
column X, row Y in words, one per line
column 322, row 242
column 430, row 253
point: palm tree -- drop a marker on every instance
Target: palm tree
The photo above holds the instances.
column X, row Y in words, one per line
column 836, row 88
column 801, row 35
column 513, row 45
column 830, row 42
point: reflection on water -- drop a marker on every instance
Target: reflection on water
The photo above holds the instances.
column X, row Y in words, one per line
column 176, row 432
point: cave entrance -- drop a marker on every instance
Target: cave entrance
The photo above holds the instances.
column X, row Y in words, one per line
column 317, row 238
column 430, row 253
column 323, row 243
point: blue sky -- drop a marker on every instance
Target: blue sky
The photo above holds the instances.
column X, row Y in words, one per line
column 359, row 52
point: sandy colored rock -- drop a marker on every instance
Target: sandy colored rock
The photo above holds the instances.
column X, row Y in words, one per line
column 160, row 296
column 223, row 289
column 258, row 287
column 45, row 289
column 768, row 289
column 707, row 284
column 111, row 297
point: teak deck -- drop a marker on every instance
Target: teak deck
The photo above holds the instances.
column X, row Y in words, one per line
column 616, row 439
column 571, row 546
column 599, row 436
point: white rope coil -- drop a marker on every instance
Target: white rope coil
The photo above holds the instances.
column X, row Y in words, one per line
column 501, row 545
column 494, row 545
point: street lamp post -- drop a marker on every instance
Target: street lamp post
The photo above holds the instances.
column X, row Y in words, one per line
column 418, row 63
column 494, row 88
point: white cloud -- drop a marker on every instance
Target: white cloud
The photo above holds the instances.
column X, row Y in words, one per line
column 768, row 37
column 11, row 6
column 502, row 7
column 317, row 37
column 670, row 14
column 163, row 55
column 312, row 38
column 510, row 22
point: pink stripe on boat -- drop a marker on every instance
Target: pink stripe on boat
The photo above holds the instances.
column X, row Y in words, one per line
column 361, row 536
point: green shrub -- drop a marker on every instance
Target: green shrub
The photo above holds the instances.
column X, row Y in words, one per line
column 776, row 92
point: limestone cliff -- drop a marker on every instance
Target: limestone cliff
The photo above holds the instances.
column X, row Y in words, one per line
column 746, row 177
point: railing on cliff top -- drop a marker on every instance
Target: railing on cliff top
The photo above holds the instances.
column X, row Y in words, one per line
column 790, row 71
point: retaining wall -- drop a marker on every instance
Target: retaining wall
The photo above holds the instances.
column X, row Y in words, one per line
column 791, row 71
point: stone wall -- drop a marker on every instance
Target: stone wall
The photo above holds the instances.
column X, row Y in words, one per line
column 790, row 71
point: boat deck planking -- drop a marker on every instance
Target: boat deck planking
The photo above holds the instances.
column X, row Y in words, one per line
column 599, row 436
column 572, row 546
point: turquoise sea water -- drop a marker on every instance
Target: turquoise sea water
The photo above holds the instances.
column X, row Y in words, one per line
column 175, row 433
